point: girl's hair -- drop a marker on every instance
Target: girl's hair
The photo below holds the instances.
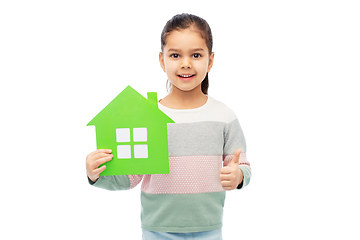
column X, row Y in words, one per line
column 184, row 21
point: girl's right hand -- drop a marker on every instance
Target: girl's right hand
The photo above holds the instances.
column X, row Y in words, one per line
column 94, row 160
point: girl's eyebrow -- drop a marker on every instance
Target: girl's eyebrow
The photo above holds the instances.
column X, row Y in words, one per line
column 193, row 50
column 198, row 49
column 173, row 50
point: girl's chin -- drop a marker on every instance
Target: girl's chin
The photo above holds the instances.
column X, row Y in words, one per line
column 186, row 87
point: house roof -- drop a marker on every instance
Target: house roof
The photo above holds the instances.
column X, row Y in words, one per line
column 131, row 108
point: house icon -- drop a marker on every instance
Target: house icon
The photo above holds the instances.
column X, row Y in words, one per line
column 136, row 131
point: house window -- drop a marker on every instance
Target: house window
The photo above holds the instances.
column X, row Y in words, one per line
column 123, row 135
column 138, row 143
column 124, row 151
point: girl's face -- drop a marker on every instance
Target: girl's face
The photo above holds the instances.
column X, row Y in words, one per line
column 186, row 60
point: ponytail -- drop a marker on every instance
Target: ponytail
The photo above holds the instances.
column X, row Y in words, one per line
column 205, row 84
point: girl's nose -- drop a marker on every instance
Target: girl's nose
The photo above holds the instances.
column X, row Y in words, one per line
column 186, row 63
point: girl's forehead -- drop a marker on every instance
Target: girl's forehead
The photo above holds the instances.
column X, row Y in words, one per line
column 187, row 38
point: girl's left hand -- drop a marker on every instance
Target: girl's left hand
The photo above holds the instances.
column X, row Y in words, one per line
column 231, row 175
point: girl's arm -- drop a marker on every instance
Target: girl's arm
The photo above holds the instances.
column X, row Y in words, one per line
column 233, row 140
column 119, row 182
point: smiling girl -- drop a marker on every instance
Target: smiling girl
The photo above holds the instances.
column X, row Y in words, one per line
column 207, row 149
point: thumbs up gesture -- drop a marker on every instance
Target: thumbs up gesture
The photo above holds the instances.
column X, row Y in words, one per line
column 231, row 175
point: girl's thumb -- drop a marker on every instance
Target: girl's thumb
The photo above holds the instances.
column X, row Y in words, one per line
column 235, row 160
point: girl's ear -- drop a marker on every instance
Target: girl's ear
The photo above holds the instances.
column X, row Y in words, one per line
column 162, row 62
column 211, row 61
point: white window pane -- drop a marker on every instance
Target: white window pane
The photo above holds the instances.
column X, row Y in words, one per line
column 141, row 151
column 123, row 134
column 140, row 134
column 123, row 151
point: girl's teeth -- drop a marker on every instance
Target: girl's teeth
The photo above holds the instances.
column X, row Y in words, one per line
column 185, row 75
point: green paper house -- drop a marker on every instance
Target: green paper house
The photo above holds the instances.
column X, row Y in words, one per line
column 135, row 129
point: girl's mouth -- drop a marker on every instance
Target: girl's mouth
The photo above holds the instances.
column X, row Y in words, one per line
column 186, row 77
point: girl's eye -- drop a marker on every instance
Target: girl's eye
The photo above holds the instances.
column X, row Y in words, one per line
column 174, row 55
column 196, row 55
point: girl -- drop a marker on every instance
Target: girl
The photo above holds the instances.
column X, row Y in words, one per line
column 206, row 144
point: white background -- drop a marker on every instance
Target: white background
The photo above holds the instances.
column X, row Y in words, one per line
column 289, row 69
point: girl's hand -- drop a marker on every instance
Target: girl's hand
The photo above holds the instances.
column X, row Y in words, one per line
column 94, row 160
column 231, row 176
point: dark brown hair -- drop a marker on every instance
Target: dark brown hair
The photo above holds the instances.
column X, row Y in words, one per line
column 184, row 21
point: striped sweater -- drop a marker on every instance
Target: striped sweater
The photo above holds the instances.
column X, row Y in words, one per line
column 190, row 198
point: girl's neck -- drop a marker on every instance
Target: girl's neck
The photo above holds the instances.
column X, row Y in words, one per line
column 178, row 99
